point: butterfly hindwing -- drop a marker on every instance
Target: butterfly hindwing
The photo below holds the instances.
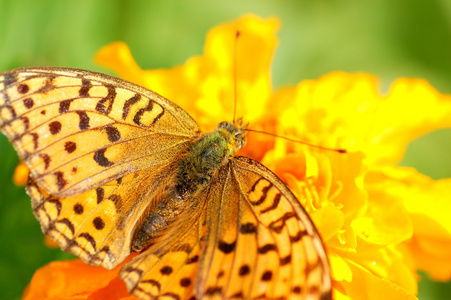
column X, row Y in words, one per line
column 260, row 242
column 76, row 130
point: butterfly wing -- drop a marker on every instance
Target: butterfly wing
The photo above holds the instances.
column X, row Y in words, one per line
column 76, row 130
column 98, row 149
column 169, row 267
column 98, row 225
column 250, row 238
column 261, row 243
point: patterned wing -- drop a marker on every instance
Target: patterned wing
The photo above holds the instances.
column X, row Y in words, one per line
column 99, row 149
column 248, row 238
column 260, row 242
column 77, row 130
column 168, row 268
column 98, row 225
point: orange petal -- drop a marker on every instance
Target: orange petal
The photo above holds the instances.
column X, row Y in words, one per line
column 20, row 176
column 75, row 280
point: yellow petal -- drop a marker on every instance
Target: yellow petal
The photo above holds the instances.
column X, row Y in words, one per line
column 341, row 110
column 204, row 85
column 427, row 203
column 365, row 285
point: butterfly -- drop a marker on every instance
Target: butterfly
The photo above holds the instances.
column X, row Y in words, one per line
column 116, row 168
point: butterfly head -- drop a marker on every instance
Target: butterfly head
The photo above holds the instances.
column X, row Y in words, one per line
column 236, row 132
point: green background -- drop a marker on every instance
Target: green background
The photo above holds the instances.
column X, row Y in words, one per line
column 389, row 38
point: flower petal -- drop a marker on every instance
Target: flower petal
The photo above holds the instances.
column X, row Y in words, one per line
column 204, row 84
column 341, row 110
column 75, row 280
column 365, row 285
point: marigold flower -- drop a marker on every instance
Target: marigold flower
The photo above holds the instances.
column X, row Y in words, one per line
column 380, row 222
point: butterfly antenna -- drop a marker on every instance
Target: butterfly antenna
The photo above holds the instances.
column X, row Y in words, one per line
column 235, row 54
column 299, row 142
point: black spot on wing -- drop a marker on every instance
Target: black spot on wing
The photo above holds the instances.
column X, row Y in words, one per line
column 244, row 270
column 23, row 88
column 128, row 104
column 78, row 209
column 55, row 127
column 267, row 275
column 248, row 228
column 297, row 290
column 100, row 193
column 98, row 223
column 65, row 105
column 298, row 236
column 86, row 85
column 285, row 260
column 225, row 247
column 184, row 282
column 83, row 123
column 70, row 146
column 166, row 270
column 28, row 103
column 35, row 139
column 101, row 160
column 105, row 105
column 60, row 181
column 266, row 248
column 46, row 158
column 192, row 259
column 113, row 134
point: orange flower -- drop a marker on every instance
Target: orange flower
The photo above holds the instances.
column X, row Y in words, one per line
column 74, row 279
column 380, row 222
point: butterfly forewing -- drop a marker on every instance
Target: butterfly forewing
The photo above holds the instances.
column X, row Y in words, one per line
column 98, row 150
column 98, row 225
column 76, row 129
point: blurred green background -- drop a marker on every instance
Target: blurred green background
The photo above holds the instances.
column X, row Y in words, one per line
column 389, row 38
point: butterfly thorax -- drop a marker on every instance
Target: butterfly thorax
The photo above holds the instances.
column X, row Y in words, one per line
column 193, row 172
column 208, row 153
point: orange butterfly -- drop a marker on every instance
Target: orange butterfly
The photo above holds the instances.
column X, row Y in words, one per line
column 116, row 168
